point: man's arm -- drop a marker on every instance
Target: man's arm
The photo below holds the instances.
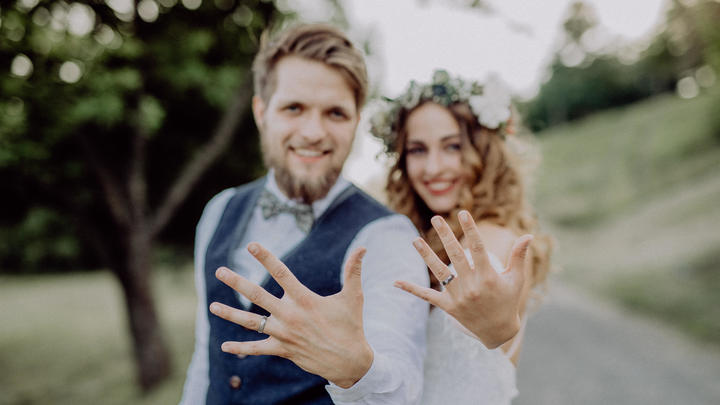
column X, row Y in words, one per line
column 395, row 323
column 197, row 379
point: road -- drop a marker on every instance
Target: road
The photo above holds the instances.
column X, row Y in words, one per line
column 583, row 350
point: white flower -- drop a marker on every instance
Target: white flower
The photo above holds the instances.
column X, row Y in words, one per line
column 493, row 106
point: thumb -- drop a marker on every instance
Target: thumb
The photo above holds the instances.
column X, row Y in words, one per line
column 353, row 272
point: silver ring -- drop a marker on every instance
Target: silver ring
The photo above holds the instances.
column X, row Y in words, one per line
column 447, row 280
column 261, row 328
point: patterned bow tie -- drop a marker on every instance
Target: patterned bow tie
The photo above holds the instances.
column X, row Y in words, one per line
column 272, row 206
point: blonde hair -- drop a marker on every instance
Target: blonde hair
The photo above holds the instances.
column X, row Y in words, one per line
column 318, row 42
column 495, row 191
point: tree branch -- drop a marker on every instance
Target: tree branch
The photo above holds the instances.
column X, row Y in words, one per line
column 203, row 158
column 111, row 189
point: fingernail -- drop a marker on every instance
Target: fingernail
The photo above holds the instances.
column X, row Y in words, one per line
column 221, row 273
column 214, row 307
column 436, row 220
column 417, row 243
column 464, row 216
column 252, row 248
column 397, row 285
column 225, row 347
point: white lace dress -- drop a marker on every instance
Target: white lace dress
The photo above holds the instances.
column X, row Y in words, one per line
column 459, row 369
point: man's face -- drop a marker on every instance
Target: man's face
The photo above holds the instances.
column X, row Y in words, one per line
column 307, row 126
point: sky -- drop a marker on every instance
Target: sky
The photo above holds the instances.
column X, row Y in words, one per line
column 411, row 38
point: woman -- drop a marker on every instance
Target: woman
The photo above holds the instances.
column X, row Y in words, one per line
column 453, row 165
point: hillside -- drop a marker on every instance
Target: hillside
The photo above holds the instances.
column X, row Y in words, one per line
column 632, row 197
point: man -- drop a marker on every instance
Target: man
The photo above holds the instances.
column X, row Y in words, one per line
column 328, row 345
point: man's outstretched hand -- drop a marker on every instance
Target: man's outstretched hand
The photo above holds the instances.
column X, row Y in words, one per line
column 322, row 335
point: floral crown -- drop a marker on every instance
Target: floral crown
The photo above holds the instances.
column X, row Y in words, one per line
column 490, row 103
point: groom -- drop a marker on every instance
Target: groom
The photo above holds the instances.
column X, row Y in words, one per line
column 327, row 345
column 327, row 326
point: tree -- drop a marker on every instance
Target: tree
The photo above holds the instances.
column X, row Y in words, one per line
column 582, row 82
column 104, row 119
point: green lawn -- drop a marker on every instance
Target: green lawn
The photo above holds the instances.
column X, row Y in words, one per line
column 63, row 339
column 633, row 197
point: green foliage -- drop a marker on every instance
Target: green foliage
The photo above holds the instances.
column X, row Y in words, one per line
column 83, row 97
column 602, row 81
column 42, row 239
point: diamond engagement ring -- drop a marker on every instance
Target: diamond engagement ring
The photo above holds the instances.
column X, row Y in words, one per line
column 447, row 280
column 261, row 328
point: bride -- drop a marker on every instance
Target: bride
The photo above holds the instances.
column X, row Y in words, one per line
column 453, row 163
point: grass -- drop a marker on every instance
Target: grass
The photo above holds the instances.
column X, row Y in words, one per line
column 616, row 159
column 632, row 197
column 685, row 296
column 64, row 339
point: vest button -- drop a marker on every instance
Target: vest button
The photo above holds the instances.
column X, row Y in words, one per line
column 235, row 382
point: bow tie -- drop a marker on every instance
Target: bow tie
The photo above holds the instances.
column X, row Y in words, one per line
column 272, row 206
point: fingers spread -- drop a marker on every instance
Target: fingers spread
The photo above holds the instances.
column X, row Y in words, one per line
column 245, row 319
column 452, row 246
column 428, row 294
column 277, row 270
column 436, row 266
column 475, row 244
column 353, row 272
column 256, row 294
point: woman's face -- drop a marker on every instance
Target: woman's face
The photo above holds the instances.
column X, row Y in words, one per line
column 433, row 156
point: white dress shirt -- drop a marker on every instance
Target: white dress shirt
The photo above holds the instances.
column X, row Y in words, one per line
column 394, row 321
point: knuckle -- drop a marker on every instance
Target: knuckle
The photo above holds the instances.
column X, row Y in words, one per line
column 254, row 295
column 280, row 271
column 456, row 254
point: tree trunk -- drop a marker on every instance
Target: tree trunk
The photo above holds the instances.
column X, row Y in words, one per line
column 150, row 350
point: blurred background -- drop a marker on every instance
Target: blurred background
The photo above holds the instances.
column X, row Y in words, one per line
column 120, row 119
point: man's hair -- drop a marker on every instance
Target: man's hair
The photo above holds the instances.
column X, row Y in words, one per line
column 318, row 42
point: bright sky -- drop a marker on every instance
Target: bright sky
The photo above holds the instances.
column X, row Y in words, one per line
column 413, row 37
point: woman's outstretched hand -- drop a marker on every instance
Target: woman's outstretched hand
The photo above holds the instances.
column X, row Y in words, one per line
column 322, row 335
column 488, row 304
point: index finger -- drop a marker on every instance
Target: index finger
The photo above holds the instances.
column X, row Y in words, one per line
column 278, row 270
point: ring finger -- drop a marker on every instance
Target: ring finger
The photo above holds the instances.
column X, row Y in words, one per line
column 436, row 266
column 245, row 319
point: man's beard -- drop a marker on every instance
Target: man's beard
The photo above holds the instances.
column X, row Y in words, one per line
column 305, row 190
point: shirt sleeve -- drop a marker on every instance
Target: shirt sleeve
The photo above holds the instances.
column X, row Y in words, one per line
column 197, row 379
column 394, row 321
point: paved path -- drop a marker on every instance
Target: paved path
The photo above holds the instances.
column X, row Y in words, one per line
column 581, row 350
